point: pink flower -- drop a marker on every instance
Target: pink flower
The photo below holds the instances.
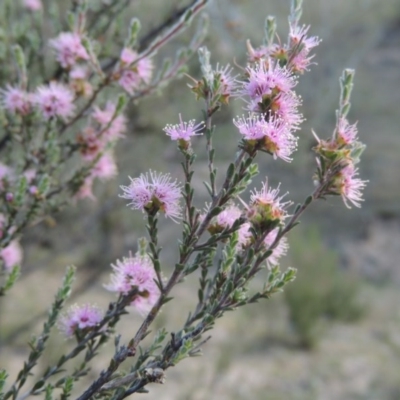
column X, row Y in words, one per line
column 33, row 5
column 154, row 193
column 133, row 75
column 349, row 186
column 227, row 81
column 263, row 81
column 272, row 134
column 105, row 168
column 80, row 318
column 69, row 49
column 345, row 133
column 112, row 125
column 16, row 100
column 280, row 249
column 11, row 255
column 224, row 220
column 228, row 216
column 285, row 107
column 244, row 236
column 266, row 206
column 136, row 272
column 258, row 54
column 183, row 130
column 86, row 190
column 301, row 45
column 90, row 143
column 79, row 81
column 55, row 100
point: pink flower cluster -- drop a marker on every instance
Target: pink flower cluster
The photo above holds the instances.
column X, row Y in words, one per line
column 269, row 90
column 300, row 46
column 69, row 49
column 94, row 141
column 80, row 318
column 269, row 134
column 53, row 100
column 16, row 100
column 295, row 53
column 337, row 153
column 33, row 5
column 154, row 192
column 266, row 206
column 10, row 255
column 226, row 218
column 136, row 272
column 349, row 186
column 134, row 74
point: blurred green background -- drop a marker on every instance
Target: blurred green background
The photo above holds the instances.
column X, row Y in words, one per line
column 335, row 333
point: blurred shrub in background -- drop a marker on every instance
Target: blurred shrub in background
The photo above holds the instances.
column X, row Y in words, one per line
column 323, row 291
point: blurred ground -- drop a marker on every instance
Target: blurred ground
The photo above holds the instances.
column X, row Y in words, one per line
column 352, row 361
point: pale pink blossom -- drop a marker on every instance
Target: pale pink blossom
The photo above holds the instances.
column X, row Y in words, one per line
column 265, row 81
column 79, row 81
column 30, row 174
column 184, row 130
column 11, row 255
column 228, row 82
column 105, row 168
column 244, row 236
column 135, row 272
column 345, row 132
column 279, row 250
column 86, row 190
column 134, row 74
column 224, row 220
column 258, row 54
column 80, row 318
column 33, row 5
column 16, row 100
column 90, row 143
column 69, row 49
column 266, row 206
column 154, row 192
column 55, row 100
column 349, row 186
column 301, row 45
column 112, row 126
column 285, row 107
column 273, row 135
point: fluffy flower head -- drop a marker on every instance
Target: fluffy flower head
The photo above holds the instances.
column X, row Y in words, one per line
column 55, row 100
column 134, row 74
column 69, row 49
column 266, row 207
column 183, row 130
column 268, row 134
column 349, row 186
column 266, row 81
column 80, row 318
column 224, row 220
column 136, row 272
column 11, row 255
column 112, row 126
column 152, row 193
column 280, row 249
column 345, row 133
column 16, row 100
